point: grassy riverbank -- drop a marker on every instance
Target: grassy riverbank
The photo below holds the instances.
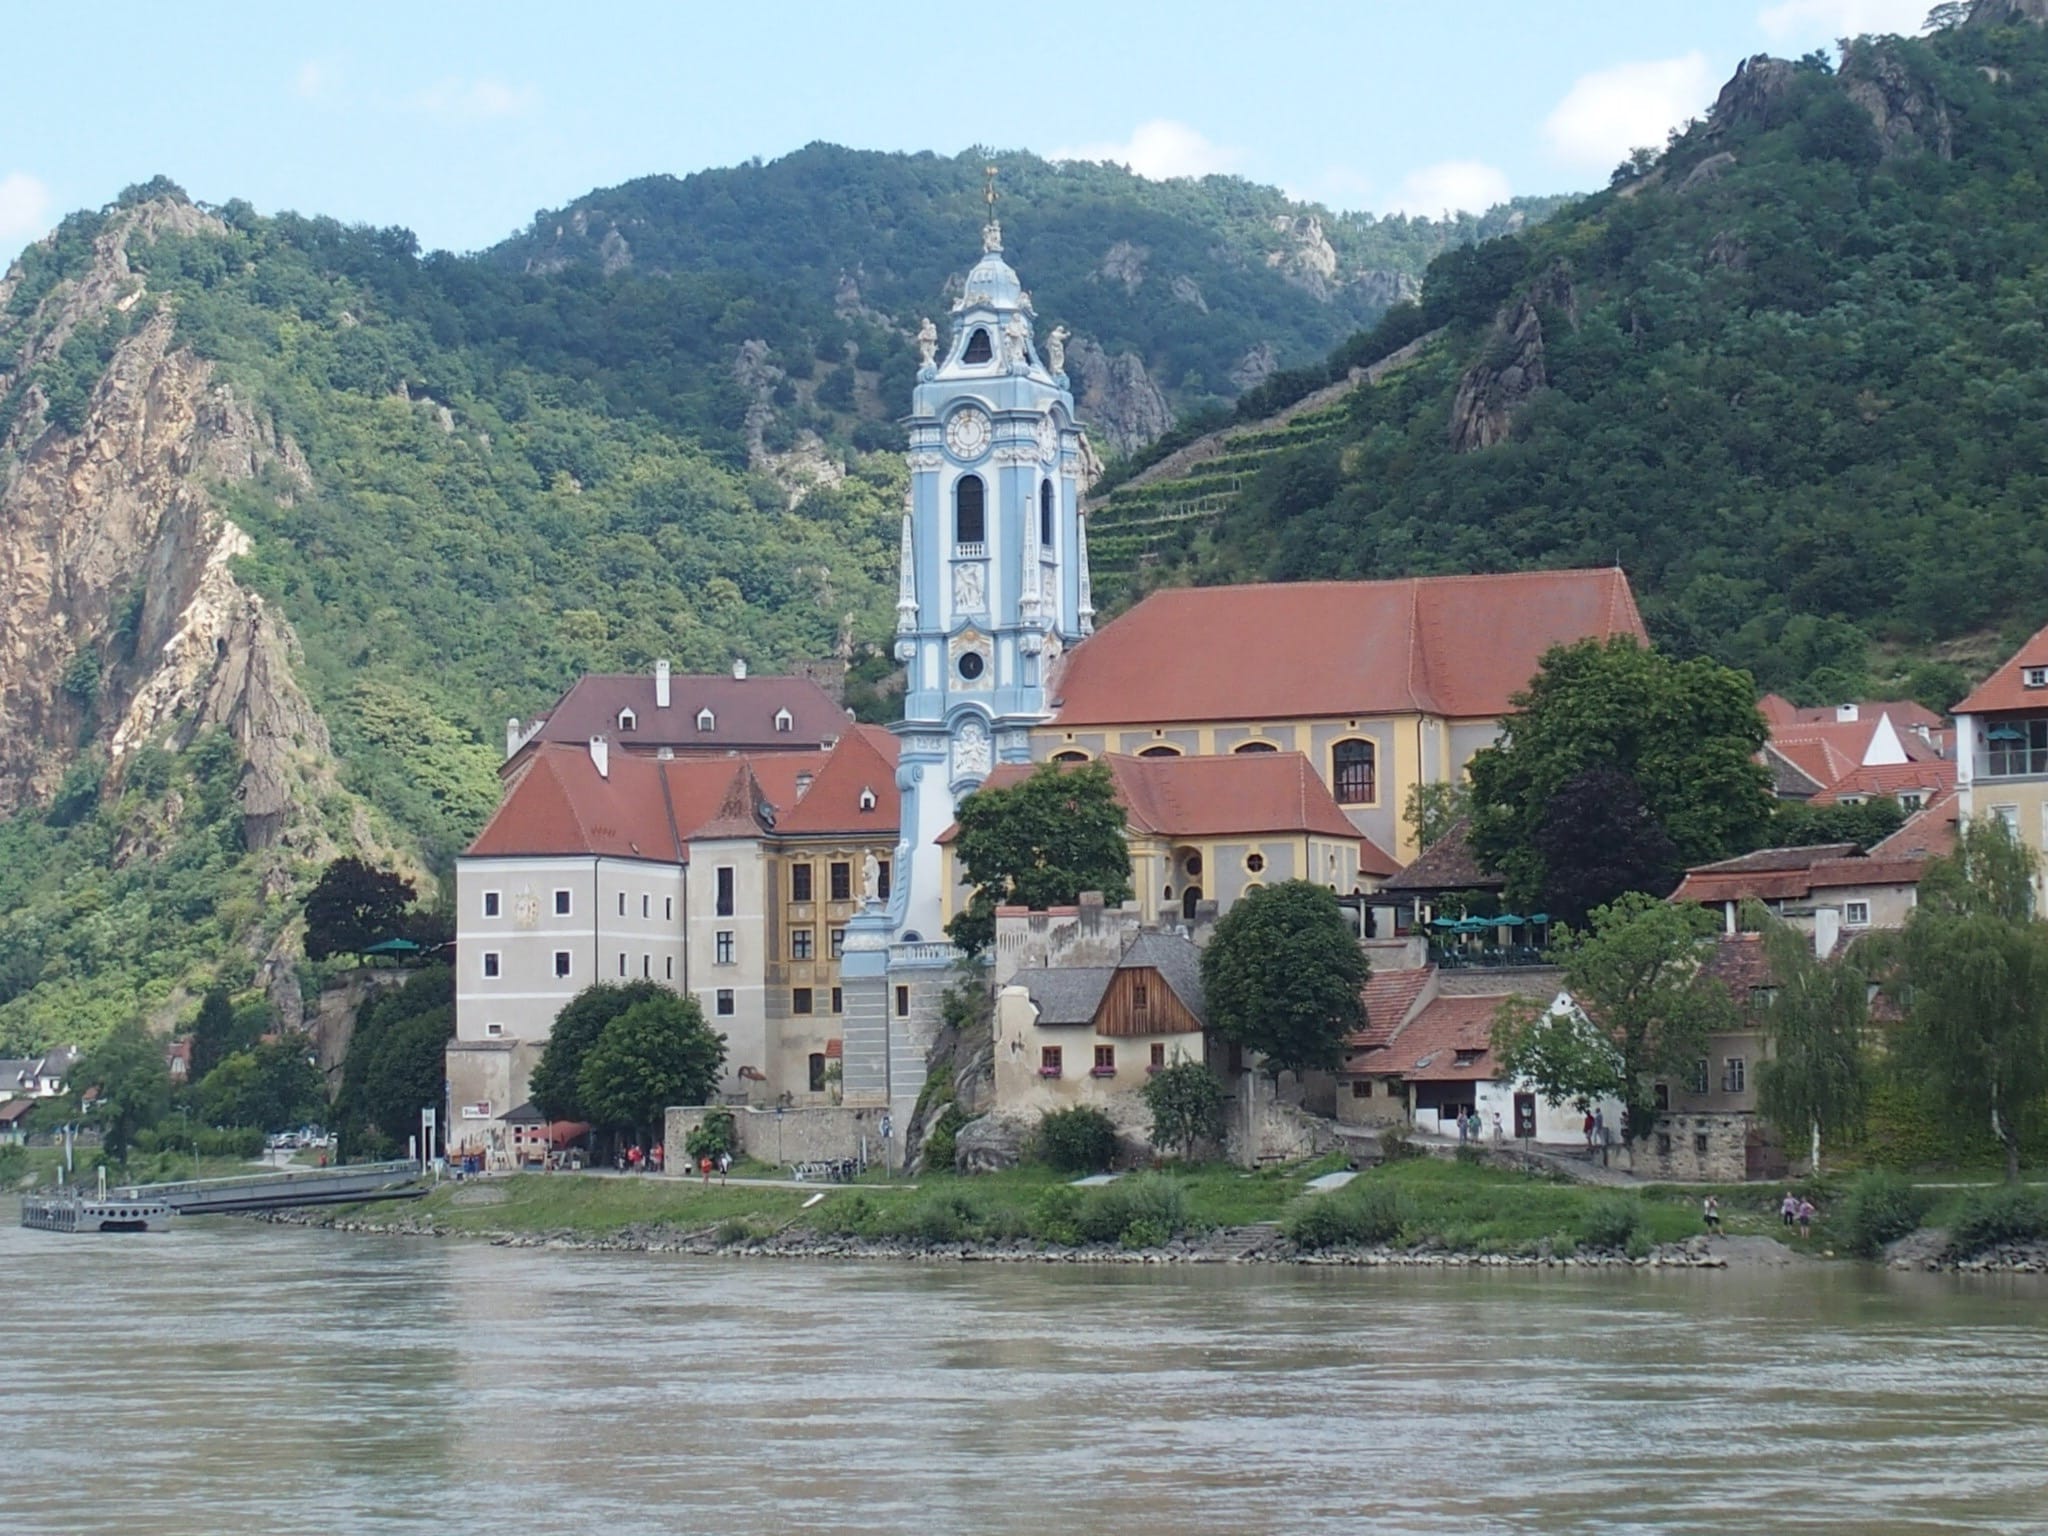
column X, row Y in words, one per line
column 1435, row 1205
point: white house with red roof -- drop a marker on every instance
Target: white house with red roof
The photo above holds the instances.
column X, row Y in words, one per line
column 2002, row 746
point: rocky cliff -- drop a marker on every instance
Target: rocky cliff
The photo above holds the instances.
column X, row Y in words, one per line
column 122, row 623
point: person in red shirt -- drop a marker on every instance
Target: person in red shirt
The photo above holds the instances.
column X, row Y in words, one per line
column 659, row 1157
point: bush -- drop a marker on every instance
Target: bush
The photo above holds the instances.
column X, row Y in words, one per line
column 717, row 1133
column 1397, row 1147
column 1611, row 1224
column 13, row 1164
column 940, row 1153
column 949, row 1217
column 1145, row 1233
column 1879, row 1208
column 849, row 1216
column 1997, row 1216
column 1056, row 1216
column 1077, row 1140
column 1469, row 1155
column 733, row 1231
column 1354, row 1217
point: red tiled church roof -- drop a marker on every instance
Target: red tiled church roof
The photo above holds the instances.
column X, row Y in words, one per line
column 1457, row 646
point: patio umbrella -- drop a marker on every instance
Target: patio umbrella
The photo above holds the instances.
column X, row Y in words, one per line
column 393, row 947
column 1509, row 920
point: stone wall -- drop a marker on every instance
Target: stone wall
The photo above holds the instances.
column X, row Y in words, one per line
column 1264, row 1128
column 1707, row 1148
column 787, row 1136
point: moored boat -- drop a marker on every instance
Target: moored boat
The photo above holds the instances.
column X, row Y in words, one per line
column 86, row 1213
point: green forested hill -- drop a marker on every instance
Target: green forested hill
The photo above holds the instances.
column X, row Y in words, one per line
column 487, row 474
column 1792, row 372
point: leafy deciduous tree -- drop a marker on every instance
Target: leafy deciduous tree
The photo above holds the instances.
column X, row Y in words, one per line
column 133, row 1085
column 1685, row 732
column 1974, row 964
column 556, row 1086
column 1186, row 1101
column 271, row 1087
column 1039, row 843
column 1639, row 976
column 354, row 905
column 1817, row 1078
column 1283, row 975
column 1597, row 839
column 1432, row 810
column 657, row 1053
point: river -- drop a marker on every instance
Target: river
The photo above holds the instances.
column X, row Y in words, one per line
column 229, row 1378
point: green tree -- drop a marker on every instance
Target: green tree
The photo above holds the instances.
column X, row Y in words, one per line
column 1039, row 843
column 217, row 1033
column 1283, row 975
column 354, row 905
column 1596, row 840
column 1817, row 1078
column 1431, row 810
column 396, row 1063
column 1638, row 976
column 1973, row 966
column 1685, row 732
column 131, row 1084
column 272, row 1087
column 657, row 1053
column 1186, row 1101
column 556, row 1086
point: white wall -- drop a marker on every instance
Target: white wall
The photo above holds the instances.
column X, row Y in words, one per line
column 746, row 1027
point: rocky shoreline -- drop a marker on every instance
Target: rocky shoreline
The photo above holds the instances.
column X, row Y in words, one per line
column 1229, row 1245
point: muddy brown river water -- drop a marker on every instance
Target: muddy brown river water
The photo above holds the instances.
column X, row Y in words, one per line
column 232, row 1378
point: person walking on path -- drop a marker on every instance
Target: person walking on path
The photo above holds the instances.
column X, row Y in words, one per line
column 704, row 1167
column 1588, row 1129
column 1462, row 1130
column 1600, row 1133
column 1710, row 1214
column 1472, row 1126
column 1500, row 1134
column 660, row 1156
column 633, row 1156
column 1806, row 1215
column 724, row 1165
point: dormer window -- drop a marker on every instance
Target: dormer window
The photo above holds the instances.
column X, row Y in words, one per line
column 784, row 721
column 867, row 798
column 2034, row 677
column 628, row 720
column 706, row 721
column 979, row 348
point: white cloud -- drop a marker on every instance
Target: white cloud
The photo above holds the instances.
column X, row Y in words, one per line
column 24, row 209
column 1451, row 186
column 316, row 81
column 1161, row 150
column 1612, row 111
column 1825, row 20
column 483, row 97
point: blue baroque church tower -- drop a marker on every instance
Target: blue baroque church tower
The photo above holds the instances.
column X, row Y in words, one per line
column 993, row 589
column 994, row 582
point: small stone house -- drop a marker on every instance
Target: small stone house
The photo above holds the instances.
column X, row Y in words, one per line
column 1094, row 1034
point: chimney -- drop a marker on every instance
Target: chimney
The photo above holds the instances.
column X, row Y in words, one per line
column 661, row 683
column 601, row 755
column 1845, row 714
column 511, row 735
column 739, row 669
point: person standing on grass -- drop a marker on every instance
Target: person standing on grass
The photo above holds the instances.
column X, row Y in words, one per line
column 704, row 1168
column 1710, row 1213
column 1788, row 1211
column 724, row 1165
column 1806, row 1215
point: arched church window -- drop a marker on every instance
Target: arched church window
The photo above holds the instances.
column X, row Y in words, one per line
column 1354, row 772
column 979, row 347
column 1254, row 746
column 970, row 521
column 1160, row 751
column 1045, row 515
column 1070, row 757
column 1189, row 900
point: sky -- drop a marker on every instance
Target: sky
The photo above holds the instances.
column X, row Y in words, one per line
column 461, row 121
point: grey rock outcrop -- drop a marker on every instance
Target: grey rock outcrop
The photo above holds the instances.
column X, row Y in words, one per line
column 1116, row 397
column 1124, row 263
column 1757, row 95
column 990, row 1144
column 1908, row 117
column 1386, row 289
column 1707, row 172
column 1256, row 366
column 2008, row 13
column 1512, row 369
column 1187, row 291
column 1305, row 257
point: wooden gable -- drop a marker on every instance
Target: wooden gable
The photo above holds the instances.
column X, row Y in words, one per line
column 1139, row 1002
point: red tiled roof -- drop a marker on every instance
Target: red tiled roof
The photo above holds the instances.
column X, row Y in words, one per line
column 1428, row 1050
column 1906, row 713
column 743, row 713
column 1929, row 832
column 1388, row 997
column 1239, row 795
column 1792, row 874
column 832, row 803
column 1448, row 864
column 1458, row 646
column 1931, row 777
column 557, row 804
column 2005, row 688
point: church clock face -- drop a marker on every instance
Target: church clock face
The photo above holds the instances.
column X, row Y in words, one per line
column 967, row 433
